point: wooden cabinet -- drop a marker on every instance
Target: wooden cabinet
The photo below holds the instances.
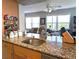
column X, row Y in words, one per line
column 12, row 7
column 6, row 50
column 24, row 53
column 11, row 51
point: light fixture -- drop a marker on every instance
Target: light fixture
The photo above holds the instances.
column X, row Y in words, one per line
column 49, row 9
column 51, row 6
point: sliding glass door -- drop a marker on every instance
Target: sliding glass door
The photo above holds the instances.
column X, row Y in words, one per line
column 57, row 22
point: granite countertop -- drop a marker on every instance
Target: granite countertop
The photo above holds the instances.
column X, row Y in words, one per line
column 62, row 50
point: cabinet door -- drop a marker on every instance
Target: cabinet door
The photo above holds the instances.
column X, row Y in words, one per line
column 6, row 50
column 12, row 7
column 24, row 53
column 21, row 56
column 10, row 53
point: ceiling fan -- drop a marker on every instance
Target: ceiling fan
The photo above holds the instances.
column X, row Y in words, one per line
column 50, row 8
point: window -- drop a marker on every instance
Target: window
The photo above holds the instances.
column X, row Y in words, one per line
column 63, row 21
column 32, row 22
column 28, row 23
column 56, row 22
column 35, row 22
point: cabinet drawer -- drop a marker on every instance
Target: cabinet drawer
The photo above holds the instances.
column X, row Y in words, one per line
column 16, row 56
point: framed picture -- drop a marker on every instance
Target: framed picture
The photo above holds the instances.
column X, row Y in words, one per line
column 42, row 21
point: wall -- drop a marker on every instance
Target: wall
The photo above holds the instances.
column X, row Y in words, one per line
column 21, row 18
column 71, row 11
column 22, row 10
column 40, row 14
column 9, row 7
column 3, row 13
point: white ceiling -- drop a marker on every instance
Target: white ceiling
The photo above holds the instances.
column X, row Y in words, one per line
column 41, row 5
column 29, row 2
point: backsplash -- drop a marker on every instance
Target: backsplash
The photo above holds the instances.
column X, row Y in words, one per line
column 10, row 24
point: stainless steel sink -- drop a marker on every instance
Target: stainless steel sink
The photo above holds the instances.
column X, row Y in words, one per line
column 35, row 41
